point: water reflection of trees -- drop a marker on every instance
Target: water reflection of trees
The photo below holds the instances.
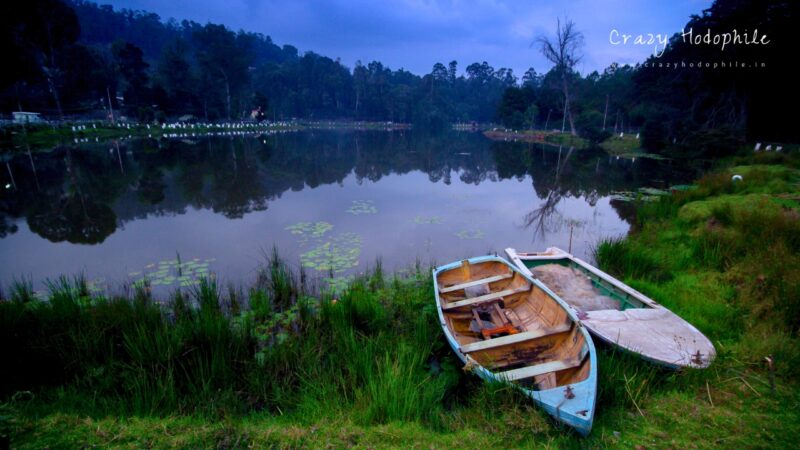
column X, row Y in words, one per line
column 542, row 216
column 559, row 172
column 80, row 195
column 76, row 209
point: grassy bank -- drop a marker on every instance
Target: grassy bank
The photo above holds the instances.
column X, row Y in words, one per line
column 280, row 365
column 627, row 146
column 537, row 136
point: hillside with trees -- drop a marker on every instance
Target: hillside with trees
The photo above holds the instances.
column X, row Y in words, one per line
column 155, row 69
column 73, row 59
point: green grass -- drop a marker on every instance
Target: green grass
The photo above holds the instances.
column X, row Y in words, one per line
column 280, row 365
column 627, row 146
column 725, row 256
column 542, row 136
column 566, row 139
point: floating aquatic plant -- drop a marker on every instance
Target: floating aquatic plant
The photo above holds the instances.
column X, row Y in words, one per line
column 470, row 234
column 337, row 255
column 652, row 191
column 644, row 194
column 172, row 272
column 433, row 220
column 305, row 230
column 337, row 285
column 362, row 207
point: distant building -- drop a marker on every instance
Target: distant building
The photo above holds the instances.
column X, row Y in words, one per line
column 26, row 117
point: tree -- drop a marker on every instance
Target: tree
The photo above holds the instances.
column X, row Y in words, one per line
column 35, row 34
column 131, row 65
column 222, row 61
column 452, row 68
column 531, row 78
column 175, row 75
column 564, row 52
column 360, row 75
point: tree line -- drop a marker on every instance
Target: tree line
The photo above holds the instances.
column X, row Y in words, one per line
column 75, row 57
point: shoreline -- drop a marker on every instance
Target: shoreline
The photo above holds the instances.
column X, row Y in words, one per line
column 537, row 137
column 43, row 137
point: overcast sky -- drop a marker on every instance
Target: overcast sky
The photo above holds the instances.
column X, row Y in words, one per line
column 415, row 34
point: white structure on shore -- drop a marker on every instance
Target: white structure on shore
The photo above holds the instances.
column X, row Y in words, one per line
column 26, row 117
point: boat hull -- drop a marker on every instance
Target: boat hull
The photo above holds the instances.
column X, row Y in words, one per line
column 640, row 325
column 572, row 405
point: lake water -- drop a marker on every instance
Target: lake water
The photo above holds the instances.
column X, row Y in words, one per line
column 332, row 201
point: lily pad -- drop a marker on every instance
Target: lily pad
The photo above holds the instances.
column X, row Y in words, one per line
column 171, row 272
column 644, row 194
column 362, row 207
column 652, row 191
column 433, row 220
column 470, row 234
column 337, row 255
column 338, row 284
column 309, row 229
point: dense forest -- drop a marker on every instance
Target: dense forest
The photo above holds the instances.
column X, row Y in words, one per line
column 74, row 58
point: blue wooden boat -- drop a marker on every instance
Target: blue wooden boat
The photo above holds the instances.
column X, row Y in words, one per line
column 616, row 313
column 507, row 327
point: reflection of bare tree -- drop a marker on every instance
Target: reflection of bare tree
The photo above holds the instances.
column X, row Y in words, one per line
column 543, row 218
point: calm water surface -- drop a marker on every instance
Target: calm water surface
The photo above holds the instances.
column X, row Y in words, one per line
column 174, row 210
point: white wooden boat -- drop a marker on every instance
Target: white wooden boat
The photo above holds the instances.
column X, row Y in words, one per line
column 508, row 327
column 617, row 313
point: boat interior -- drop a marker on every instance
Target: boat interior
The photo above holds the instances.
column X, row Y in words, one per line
column 512, row 327
column 572, row 292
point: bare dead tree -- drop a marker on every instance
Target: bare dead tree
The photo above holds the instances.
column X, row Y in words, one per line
column 564, row 52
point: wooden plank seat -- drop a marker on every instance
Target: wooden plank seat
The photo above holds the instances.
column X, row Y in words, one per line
column 541, row 369
column 484, row 298
column 445, row 290
column 513, row 338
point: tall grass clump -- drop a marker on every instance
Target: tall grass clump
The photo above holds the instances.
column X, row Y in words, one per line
column 21, row 291
column 373, row 353
column 625, row 380
column 622, row 258
column 279, row 280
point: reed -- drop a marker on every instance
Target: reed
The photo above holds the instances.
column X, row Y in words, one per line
column 621, row 258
